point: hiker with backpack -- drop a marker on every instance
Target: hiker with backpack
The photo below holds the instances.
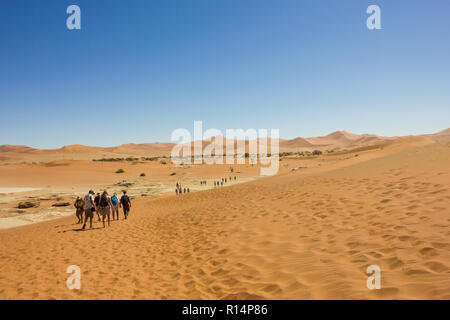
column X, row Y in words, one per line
column 89, row 208
column 97, row 202
column 115, row 206
column 79, row 206
column 105, row 207
column 125, row 203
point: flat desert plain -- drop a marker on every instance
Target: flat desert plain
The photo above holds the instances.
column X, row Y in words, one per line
column 309, row 232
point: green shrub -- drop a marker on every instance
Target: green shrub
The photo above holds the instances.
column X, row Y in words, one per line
column 173, row 173
column 120, row 171
column 142, row 174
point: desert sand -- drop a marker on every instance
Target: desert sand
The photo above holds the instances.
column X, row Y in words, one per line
column 309, row 232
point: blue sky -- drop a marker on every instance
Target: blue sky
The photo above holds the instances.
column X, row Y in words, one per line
column 137, row 70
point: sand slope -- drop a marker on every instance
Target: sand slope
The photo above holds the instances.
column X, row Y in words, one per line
column 299, row 235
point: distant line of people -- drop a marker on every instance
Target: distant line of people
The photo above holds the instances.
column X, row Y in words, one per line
column 102, row 205
column 220, row 183
column 180, row 190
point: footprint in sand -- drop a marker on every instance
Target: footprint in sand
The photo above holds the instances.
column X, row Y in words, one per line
column 393, row 262
column 428, row 252
column 436, row 266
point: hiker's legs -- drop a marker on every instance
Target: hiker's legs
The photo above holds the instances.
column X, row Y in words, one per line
column 85, row 220
column 87, row 214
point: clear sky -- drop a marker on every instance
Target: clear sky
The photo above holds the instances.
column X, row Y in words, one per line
column 139, row 69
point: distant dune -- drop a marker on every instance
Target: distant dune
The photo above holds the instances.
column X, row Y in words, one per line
column 338, row 139
column 296, row 143
column 142, row 148
column 440, row 136
column 335, row 139
column 10, row 148
column 76, row 148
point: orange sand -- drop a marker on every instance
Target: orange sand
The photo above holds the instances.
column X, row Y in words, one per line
column 307, row 233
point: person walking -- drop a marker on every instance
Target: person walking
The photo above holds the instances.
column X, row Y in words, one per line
column 125, row 203
column 89, row 208
column 79, row 206
column 115, row 206
column 97, row 202
column 105, row 207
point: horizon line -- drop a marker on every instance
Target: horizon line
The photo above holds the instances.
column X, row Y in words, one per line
column 169, row 142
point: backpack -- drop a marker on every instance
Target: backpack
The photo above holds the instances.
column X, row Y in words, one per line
column 125, row 200
column 79, row 204
column 104, row 201
column 114, row 200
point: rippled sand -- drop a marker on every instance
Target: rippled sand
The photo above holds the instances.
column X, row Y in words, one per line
column 304, row 234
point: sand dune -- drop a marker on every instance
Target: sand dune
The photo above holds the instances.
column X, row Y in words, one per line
column 304, row 234
column 11, row 148
column 143, row 148
column 335, row 140
column 443, row 135
column 296, row 143
column 367, row 140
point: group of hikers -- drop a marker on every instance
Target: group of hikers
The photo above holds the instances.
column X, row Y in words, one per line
column 179, row 189
column 223, row 181
column 103, row 205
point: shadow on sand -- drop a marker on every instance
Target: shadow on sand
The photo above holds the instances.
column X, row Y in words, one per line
column 79, row 229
